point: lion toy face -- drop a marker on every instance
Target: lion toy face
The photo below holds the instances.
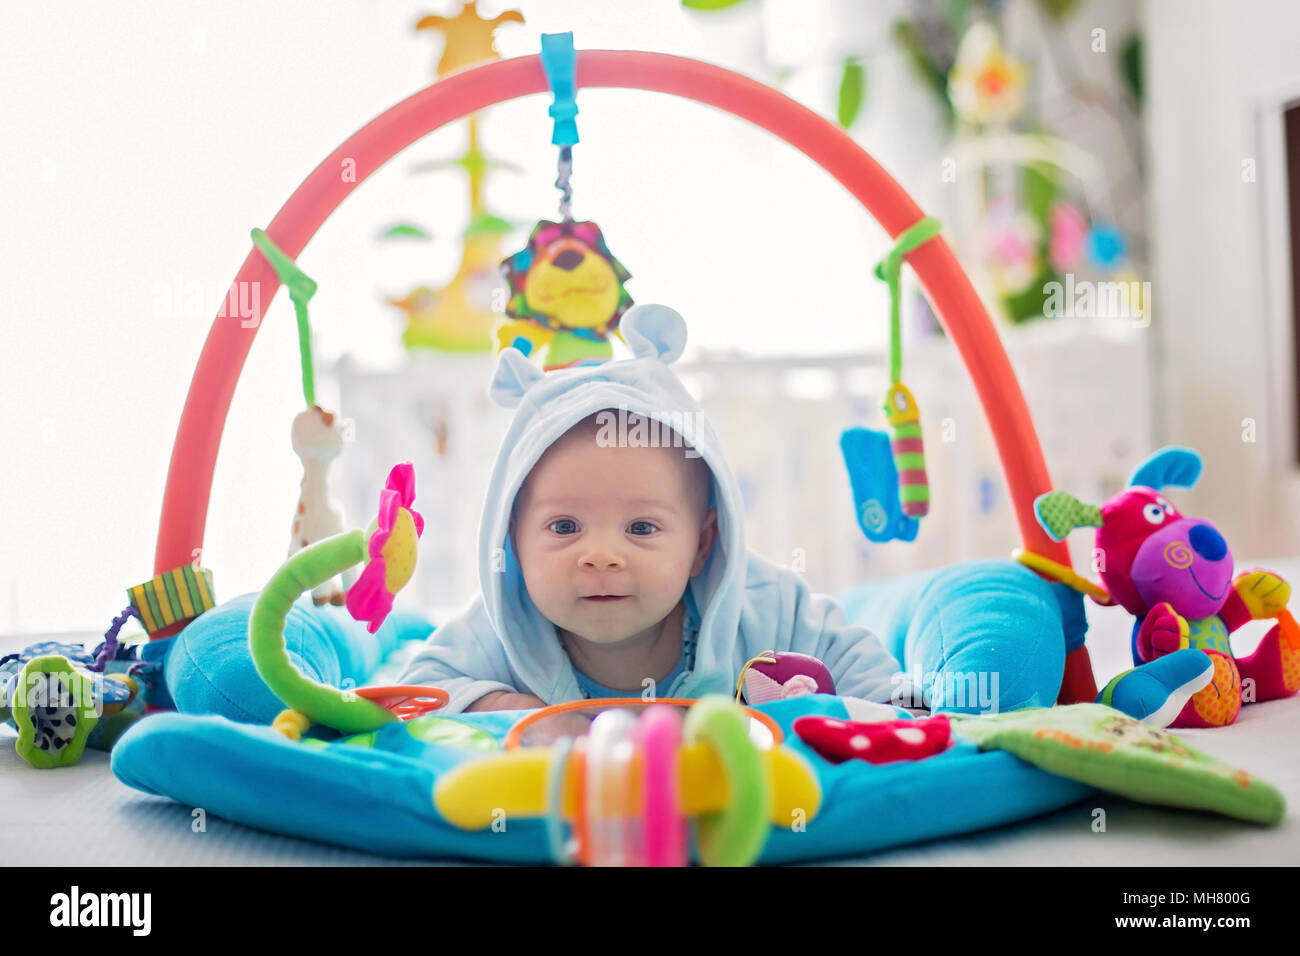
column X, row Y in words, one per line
column 573, row 285
column 567, row 279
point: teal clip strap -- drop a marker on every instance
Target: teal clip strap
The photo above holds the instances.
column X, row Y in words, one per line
column 560, row 62
column 890, row 269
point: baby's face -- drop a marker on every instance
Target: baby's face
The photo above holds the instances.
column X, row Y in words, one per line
column 631, row 522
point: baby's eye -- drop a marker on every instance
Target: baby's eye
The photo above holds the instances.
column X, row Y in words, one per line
column 563, row 526
column 645, row 528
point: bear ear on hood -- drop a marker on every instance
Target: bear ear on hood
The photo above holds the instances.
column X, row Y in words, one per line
column 514, row 376
column 654, row 331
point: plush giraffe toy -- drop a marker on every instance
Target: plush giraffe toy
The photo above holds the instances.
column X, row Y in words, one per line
column 1175, row 574
column 318, row 440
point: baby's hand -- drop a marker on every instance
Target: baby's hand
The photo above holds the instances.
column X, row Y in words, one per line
column 551, row 728
column 506, row 700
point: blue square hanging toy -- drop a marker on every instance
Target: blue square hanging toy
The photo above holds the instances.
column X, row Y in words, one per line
column 891, row 489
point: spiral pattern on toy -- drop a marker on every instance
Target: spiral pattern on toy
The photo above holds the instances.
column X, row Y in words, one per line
column 874, row 516
column 1179, row 555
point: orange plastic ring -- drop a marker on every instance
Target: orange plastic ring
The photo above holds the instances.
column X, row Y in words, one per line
column 406, row 700
column 516, row 732
column 578, row 780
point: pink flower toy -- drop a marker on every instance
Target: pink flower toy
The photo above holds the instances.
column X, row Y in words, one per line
column 1069, row 237
column 388, row 548
column 393, row 536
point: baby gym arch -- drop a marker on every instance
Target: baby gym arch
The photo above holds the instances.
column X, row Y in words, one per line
column 198, row 436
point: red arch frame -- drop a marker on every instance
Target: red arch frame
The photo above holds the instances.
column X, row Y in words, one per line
column 198, row 436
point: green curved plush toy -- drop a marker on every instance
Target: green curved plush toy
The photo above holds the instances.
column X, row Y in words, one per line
column 388, row 547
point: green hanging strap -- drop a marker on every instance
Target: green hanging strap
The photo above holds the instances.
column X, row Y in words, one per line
column 900, row 406
column 890, row 269
column 301, row 288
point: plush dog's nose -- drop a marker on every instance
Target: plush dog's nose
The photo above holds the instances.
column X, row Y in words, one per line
column 1207, row 542
column 568, row 260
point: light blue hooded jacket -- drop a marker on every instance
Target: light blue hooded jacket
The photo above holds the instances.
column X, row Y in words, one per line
column 747, row 604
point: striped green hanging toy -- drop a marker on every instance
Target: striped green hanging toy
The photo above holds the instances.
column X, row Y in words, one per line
column 900, row 407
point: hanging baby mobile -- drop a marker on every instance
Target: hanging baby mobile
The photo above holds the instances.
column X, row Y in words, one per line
column 566, row 288
column 317, row 434
column 459, row 316
column 891, row 490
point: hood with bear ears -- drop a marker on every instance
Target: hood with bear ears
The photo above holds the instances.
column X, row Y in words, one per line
column 549, row 404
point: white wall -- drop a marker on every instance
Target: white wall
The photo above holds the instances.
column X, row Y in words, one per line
column 141, row 142
column 1211, row 68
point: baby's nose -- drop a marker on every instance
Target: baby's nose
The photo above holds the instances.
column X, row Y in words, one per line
column 602, row 558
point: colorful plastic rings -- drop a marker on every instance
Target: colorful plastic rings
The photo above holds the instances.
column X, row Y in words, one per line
column 609, row 786
column 735, row 835
column 663, row 824
column 621, row 788
column 515, row 736
column 562, row 852
column 578, row 775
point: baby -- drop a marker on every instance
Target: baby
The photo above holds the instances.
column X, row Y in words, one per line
column 610, row 569
column 611, row 552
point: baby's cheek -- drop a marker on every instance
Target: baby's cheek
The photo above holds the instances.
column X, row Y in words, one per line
column 533, row 573
column 555, row 580
column 686, row 559
column 671, row 573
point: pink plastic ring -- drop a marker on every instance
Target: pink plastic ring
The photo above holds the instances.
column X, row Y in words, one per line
column 663, row 825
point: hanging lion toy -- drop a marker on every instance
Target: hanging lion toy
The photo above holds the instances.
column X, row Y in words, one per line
column 566, row 295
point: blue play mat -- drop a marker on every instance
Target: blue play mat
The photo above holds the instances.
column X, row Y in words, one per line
column 373, row 791
column 377, row 795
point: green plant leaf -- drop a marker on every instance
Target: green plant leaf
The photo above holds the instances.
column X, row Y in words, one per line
column 1058, row 9
column 706, row 6
column 1027, row 305
column 1040, row 189
column 957, row 13
column 853, row 89
column 1130, row 64
column 930, row 72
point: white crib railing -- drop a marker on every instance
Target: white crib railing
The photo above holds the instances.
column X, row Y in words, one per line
column 779, row 420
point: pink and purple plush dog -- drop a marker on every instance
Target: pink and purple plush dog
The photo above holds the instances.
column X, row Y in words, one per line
column 1175, row 574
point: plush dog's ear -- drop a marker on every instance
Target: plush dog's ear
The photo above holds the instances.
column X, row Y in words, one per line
column 654, row 331
column 1060, row 513
column 514, row 376
column 1170, row 467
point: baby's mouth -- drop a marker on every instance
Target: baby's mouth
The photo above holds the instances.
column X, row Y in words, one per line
column 606, row 598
